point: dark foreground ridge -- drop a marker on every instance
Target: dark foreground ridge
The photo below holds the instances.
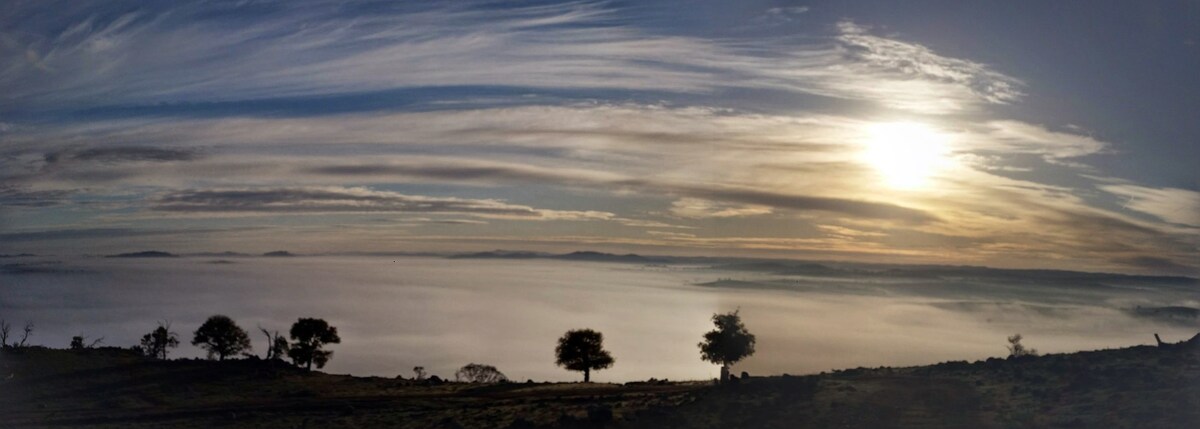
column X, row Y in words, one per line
column 1142, row 386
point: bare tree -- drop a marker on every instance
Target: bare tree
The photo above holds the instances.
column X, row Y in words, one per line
column 277, row 345
column 78, row 342
column 157, row 342
column 28, row 332
column 4, row 328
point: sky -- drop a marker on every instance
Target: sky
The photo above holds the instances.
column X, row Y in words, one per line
column 1014, row 134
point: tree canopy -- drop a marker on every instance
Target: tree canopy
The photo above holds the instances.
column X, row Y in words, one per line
column 309, row 337
column 220, row 336
column 583, row 350
column 729, row 343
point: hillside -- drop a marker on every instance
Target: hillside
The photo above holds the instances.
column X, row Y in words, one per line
column 1133, row 387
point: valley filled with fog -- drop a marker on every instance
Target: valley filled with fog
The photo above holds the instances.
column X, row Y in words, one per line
column 394, row 313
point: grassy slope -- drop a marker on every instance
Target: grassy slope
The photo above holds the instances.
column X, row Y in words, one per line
column 1132, row 387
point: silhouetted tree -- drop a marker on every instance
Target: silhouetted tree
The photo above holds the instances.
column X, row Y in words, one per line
column 478, row 373
column 727, row 344
column 277, row 345
column 4, row 329
column 1016, row 349
column 78, row 342
column 420, row 372
column 220, row 336
column 309, row 336
column 26, row 334
column 583, row 350
column 157, row 342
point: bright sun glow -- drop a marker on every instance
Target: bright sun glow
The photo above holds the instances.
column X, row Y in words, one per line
column 906, row 154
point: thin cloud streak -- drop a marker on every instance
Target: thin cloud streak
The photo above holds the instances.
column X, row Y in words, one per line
column 353, row 200
column 168, row 52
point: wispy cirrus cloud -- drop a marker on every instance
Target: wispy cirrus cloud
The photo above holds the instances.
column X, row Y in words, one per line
column 254, row 110
column 898, row 58
column 12, row 196
column 1174, row 205
column 204, row 51
column 131, row 154
column 1012, row 137
column 350, row 200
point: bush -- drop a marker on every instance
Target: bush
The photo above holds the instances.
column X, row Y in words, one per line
column 478, row 373
column 1015, row 349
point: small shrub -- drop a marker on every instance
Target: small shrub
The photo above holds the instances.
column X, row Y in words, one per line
column 1016, row 349
column 479, row 373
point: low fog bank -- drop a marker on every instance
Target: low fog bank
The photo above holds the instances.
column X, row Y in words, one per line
column 397, row 313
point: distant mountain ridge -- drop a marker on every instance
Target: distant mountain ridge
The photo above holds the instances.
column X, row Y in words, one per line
column 582, row 255
column 225, row 254
column 784, row 267
column 144, row 254
column 837, row 269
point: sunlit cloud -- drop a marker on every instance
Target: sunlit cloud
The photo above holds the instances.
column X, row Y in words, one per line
column 1178, row 206
column 354, row 200
column 563, row 114
column 700, row 208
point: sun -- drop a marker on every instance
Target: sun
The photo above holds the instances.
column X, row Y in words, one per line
column 905, row 154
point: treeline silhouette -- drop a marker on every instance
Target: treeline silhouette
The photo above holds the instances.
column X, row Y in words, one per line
column 579, row 350
column 221, row 338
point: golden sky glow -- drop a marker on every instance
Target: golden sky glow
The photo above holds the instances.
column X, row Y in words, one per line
column 906, row 154
column 457, row 126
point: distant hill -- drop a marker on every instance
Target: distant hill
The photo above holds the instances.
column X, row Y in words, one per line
column 792, row 268
column 1181, row 315
column 1059, row 277
column 789, row 267
column 20, row 255
column 501, row 254
column 607, row 257
column 573, row 256
column 225, row 254
column 144, row 254
column 279, row 253
column 46, row 267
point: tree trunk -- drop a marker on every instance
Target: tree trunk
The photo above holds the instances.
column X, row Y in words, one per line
column 724, row 374
column 309, row 365
column 587, row 375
